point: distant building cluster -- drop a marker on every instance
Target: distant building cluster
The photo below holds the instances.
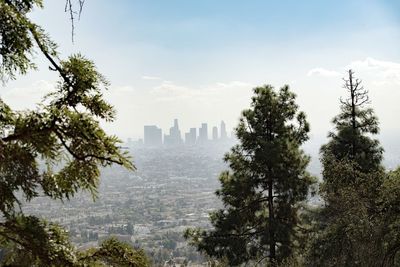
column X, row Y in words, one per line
column 153, row 136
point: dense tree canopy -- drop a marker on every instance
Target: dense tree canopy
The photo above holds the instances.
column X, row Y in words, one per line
column 264, row 186
column 56, row 149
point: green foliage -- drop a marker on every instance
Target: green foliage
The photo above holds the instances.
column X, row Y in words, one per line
column 347, row 233
column 64, row 133
column 266, row 182
column 354, row 127
column 17, row 40
column 356, row 229
column 66, row 129
column 357, row 226
column 35, row 242
column 389, row 204
column 114, row 253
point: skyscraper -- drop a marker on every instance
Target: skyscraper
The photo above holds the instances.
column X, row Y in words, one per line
column 215, row 133
column 203, row 133
column 152, row 135
column 190, row 137
column 174, row 137
column 224, row 135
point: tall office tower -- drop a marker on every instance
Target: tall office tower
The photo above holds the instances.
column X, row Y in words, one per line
column 174, row 137
column 152, row 135
column 224, row 135
column 215, row 133
column 203, row 133
column 190, row 137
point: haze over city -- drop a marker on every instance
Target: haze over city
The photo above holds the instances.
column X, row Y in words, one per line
column 199, row 61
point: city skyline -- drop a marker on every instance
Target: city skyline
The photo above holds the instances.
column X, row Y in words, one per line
column 154, row 136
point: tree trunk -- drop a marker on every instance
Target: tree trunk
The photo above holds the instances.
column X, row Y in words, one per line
column 272, row 242
column 353, row 112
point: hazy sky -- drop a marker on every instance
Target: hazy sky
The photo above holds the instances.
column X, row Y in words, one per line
column 199, row 60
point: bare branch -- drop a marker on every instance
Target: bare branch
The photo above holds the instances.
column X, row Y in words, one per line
column 72, row 13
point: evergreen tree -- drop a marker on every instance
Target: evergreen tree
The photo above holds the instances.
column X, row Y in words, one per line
column 63, row 133
column 348, row 230
column 352, row 145
column 264, row 186
column 352, row 140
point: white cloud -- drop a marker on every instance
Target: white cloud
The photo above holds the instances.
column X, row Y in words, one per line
column 154, row 78
column 377, row 72
column 323, row 72
column 169, row 91
column 371, row 63
column 234, row 84
column 121, row 90
column 381, row 72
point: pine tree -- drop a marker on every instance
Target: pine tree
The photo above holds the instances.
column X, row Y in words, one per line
column 348, row 231
column 264, row 186
column 352, row 140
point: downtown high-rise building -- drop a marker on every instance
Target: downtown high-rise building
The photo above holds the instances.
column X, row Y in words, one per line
column 191, row 136
column 152, row 135
column 174, row 137
column 224, row 135
column 203, row 133
column 215, row 133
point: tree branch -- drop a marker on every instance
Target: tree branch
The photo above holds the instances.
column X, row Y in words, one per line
column 83, row 157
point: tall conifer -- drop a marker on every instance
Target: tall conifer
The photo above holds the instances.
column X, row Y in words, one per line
column 349, row 233
column 266, row 181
